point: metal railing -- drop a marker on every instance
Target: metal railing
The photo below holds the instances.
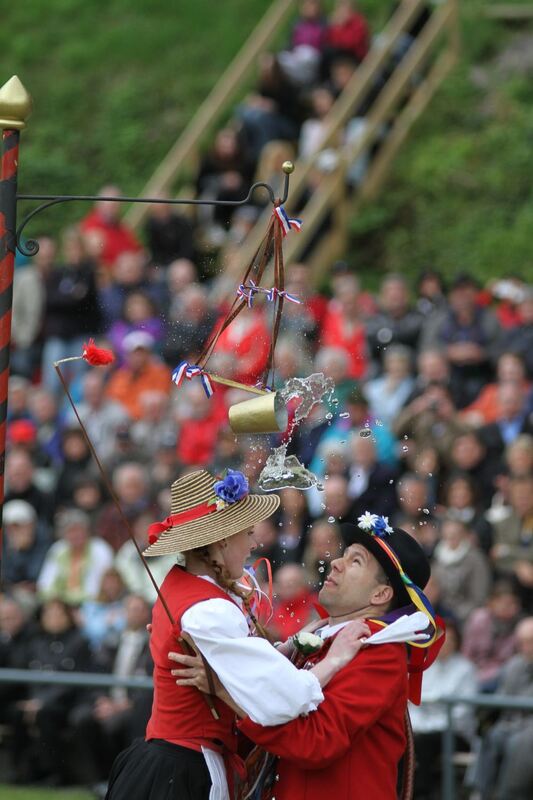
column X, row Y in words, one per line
column 142, row 682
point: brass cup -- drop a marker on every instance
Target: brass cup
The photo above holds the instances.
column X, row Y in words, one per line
column 265, row 414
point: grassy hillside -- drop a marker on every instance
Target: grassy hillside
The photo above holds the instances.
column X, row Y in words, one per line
column 114, row 83
column 460, row 195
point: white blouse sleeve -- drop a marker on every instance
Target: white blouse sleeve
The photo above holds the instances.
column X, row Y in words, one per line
column 259, row 679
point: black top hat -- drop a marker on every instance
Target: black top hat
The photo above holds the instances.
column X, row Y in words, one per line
column 412, row 558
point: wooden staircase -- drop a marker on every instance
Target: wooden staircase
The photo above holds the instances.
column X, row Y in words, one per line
column 399, row 103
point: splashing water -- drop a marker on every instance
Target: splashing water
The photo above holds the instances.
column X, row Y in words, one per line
column 282, row 471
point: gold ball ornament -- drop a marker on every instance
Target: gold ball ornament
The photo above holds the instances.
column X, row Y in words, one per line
column 287, row 167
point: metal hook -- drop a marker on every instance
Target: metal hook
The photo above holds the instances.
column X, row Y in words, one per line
column 31, row 247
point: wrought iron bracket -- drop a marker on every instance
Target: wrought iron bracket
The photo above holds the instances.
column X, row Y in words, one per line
column 30, row 247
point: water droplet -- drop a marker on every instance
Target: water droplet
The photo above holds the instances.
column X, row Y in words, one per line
column 322, row 506
column 321, row 569
column 425, row 510
column 331, row 519
column 329, row 415
column 328, row 554
column 344, row 415
column 391, row 481
column 365, row 433
column 405, row 449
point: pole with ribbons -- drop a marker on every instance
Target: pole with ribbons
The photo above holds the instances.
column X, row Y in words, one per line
column 15, row 108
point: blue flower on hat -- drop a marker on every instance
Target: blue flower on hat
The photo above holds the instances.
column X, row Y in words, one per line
column 233, row 487
column 378, row 526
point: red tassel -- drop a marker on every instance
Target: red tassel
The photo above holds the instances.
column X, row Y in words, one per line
column 97, row 356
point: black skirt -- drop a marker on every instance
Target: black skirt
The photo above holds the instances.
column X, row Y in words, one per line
column 159, row 770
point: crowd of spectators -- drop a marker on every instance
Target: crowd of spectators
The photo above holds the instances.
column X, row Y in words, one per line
column 431, row 424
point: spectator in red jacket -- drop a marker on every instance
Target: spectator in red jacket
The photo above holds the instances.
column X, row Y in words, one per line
column 104, row 219
column 293, row 604
column 348, row 31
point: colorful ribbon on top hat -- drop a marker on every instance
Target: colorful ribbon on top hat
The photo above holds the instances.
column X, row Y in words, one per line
column 287, row 223
column 190, row 371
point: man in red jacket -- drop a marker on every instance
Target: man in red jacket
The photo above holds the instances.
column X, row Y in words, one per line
column 351, row 746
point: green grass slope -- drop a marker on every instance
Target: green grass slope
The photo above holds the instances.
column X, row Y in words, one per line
column 460, row 195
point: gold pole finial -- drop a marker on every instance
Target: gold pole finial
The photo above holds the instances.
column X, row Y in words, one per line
column 15, row 105
column 287, row 167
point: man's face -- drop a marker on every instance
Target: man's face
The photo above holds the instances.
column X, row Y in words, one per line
column 352, row 583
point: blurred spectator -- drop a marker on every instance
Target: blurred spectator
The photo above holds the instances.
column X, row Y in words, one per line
column 324, row 544
column 301, row 62
column 389, row 393
column 504, row 768
column 116, row 238
column 245, row 345
column 101, row 416
column 76, row 462
column 139, row 313
column 132, row 489
column 519, row 339
column 24, row 547
column 272, row 112
column 18, row 398
column 412, row 493
column 512, row 551
column 192, row 321
column 225, row 173
column 21, row 486
column 74, row 565
column 430, row 419
column 396, row 321
column 487, row 408
column 489, row 634
column 107, row 724
column 294, row 521
column 199, row 419
column 470, row 335
column 104, row 618
column 313, row 129
column 342, row 328
column 431, row 292
column 28, row 309
column 512, row 420
column 72, row 312
column 129, row 275
column 460, row 503
column 142, row 372
column 169, row 234
column 371, row 483
column 155, row 426
column 468, row 455
column 132, row 570
column 40, row 721
column 293, row 601
column 347, row 32
column 461, row 569
column 451, row 674
column 87, row 495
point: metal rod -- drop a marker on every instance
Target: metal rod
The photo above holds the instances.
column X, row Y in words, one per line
column 448, row 747
column 8, row 224
column 31, row 247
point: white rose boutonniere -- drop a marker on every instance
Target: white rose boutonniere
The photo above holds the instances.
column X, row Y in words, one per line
column 307, row 643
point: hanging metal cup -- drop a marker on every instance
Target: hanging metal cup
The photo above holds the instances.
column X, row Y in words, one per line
column 265, row 414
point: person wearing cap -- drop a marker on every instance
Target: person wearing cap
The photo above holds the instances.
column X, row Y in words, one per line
column 25, row 546
column 142, row 372
column 351, row 746
column 191, row 741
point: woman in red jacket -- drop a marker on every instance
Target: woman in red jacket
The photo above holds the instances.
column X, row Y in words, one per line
column 190, row 746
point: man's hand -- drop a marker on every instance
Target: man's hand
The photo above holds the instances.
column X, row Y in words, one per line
column 348, row 642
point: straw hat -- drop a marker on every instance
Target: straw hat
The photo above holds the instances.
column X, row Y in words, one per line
column 200, row 515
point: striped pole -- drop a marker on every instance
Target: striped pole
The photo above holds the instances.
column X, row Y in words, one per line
column 15, row 107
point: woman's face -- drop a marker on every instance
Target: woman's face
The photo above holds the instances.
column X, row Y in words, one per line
column 54, row 618
column 235, row 550
column 460, row 495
